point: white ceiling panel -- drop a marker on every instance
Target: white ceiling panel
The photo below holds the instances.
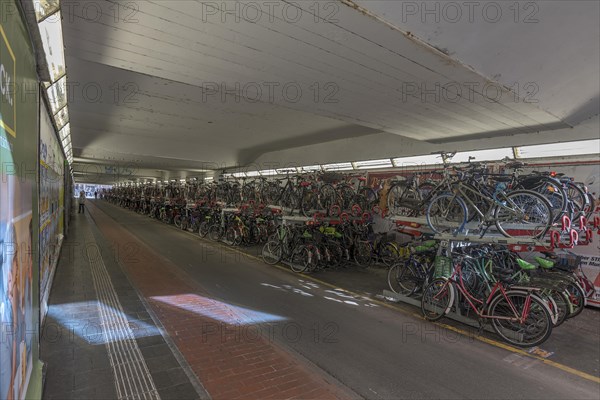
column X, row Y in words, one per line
column 358, row 75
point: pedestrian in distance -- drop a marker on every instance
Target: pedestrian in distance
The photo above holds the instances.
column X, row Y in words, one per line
column 81, row 202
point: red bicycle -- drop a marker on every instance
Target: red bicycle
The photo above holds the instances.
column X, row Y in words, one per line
column 517, row 314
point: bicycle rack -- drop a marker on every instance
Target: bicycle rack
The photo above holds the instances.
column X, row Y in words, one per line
column 455, row 312
column 567, row 236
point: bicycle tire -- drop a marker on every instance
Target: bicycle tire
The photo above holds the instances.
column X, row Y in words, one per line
column 388, row 253
column 540, row 209
column 215, row 233
column 203, row 229
column 437, row 300
column 447, row 213
column 576, row 298
column 300, row 259
column 552, row 189
column 578, row 199
column 403, row 279
column 563, row 306
column 272, row 252
column 539, row 317
column 362, row 254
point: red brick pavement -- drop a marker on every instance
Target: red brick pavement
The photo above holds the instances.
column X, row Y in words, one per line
column 232, row 359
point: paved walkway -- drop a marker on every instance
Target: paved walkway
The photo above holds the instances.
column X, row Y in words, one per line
column 102, row 342
column 99, row 341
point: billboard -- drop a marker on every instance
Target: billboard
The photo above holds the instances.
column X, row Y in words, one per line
column 19, row 99
column 51, row 205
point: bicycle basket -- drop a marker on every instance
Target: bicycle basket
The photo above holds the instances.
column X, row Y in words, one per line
column 567, row 262
column 442, row 267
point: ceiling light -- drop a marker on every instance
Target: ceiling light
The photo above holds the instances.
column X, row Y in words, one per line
column 310, row 168
column 52, row 41
column 483, row 155
column 338, row 167
column 559, row 149
column 57, row 94
column 371, row 164
column 416, row 161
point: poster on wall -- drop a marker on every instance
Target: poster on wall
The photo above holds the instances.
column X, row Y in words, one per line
column 16, row 229
column 51, row 205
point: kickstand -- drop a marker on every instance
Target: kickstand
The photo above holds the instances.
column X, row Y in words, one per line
column 481, row 326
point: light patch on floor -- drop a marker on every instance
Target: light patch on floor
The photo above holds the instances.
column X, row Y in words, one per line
column 217, row 310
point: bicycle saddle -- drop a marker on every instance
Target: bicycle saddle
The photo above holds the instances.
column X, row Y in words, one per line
column 526, row 266
column 544, row 263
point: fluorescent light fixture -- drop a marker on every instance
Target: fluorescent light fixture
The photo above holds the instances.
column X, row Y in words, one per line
column 483, row 155
column 251, row 174
column 43, row 8
column 65, row 132
column 209, row 178
column 559, row 149
column 285, row 171
column 430, row 159
column 239, row 175
column 309, row 168
column 268, row 172
column 338, row 167
column 61, row 118
column 371, row 164
column 182, row 180
column 57, row 94
column 52, row 41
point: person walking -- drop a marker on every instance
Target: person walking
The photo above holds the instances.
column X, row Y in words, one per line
column 81, row 202
column 96, row 195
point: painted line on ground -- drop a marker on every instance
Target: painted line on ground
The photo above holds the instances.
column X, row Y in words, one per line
column 132, row 378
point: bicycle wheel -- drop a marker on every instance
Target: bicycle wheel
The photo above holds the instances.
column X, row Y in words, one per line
column 308, row 204
column 388, row 253
column 300, row 259
column 203, row 229
column 592, row 206
column 576, row 297
column 403, row 278
column 337, row 253
column 437, row 299
column 215, row 232
column 346, row 196
column 362, row 253
column 177, row 221
column 400, row 197
column 563, row 307
column 231, row 236
column 367, row 198
column 533, row 331
column 551, row 189
column 272, row 252
column 447, row 213
column 327, row 197
column 528, row 213
column 578, row 199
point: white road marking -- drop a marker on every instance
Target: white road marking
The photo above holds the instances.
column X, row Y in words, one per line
column 131, row 374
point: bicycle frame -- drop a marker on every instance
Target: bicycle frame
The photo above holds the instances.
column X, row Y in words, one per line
column 481, row 311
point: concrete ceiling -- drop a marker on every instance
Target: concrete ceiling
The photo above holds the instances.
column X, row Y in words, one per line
column 178, row 87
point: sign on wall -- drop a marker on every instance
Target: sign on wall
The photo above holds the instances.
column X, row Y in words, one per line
column 8, row 75
column 17, row 313
column 51, row 205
